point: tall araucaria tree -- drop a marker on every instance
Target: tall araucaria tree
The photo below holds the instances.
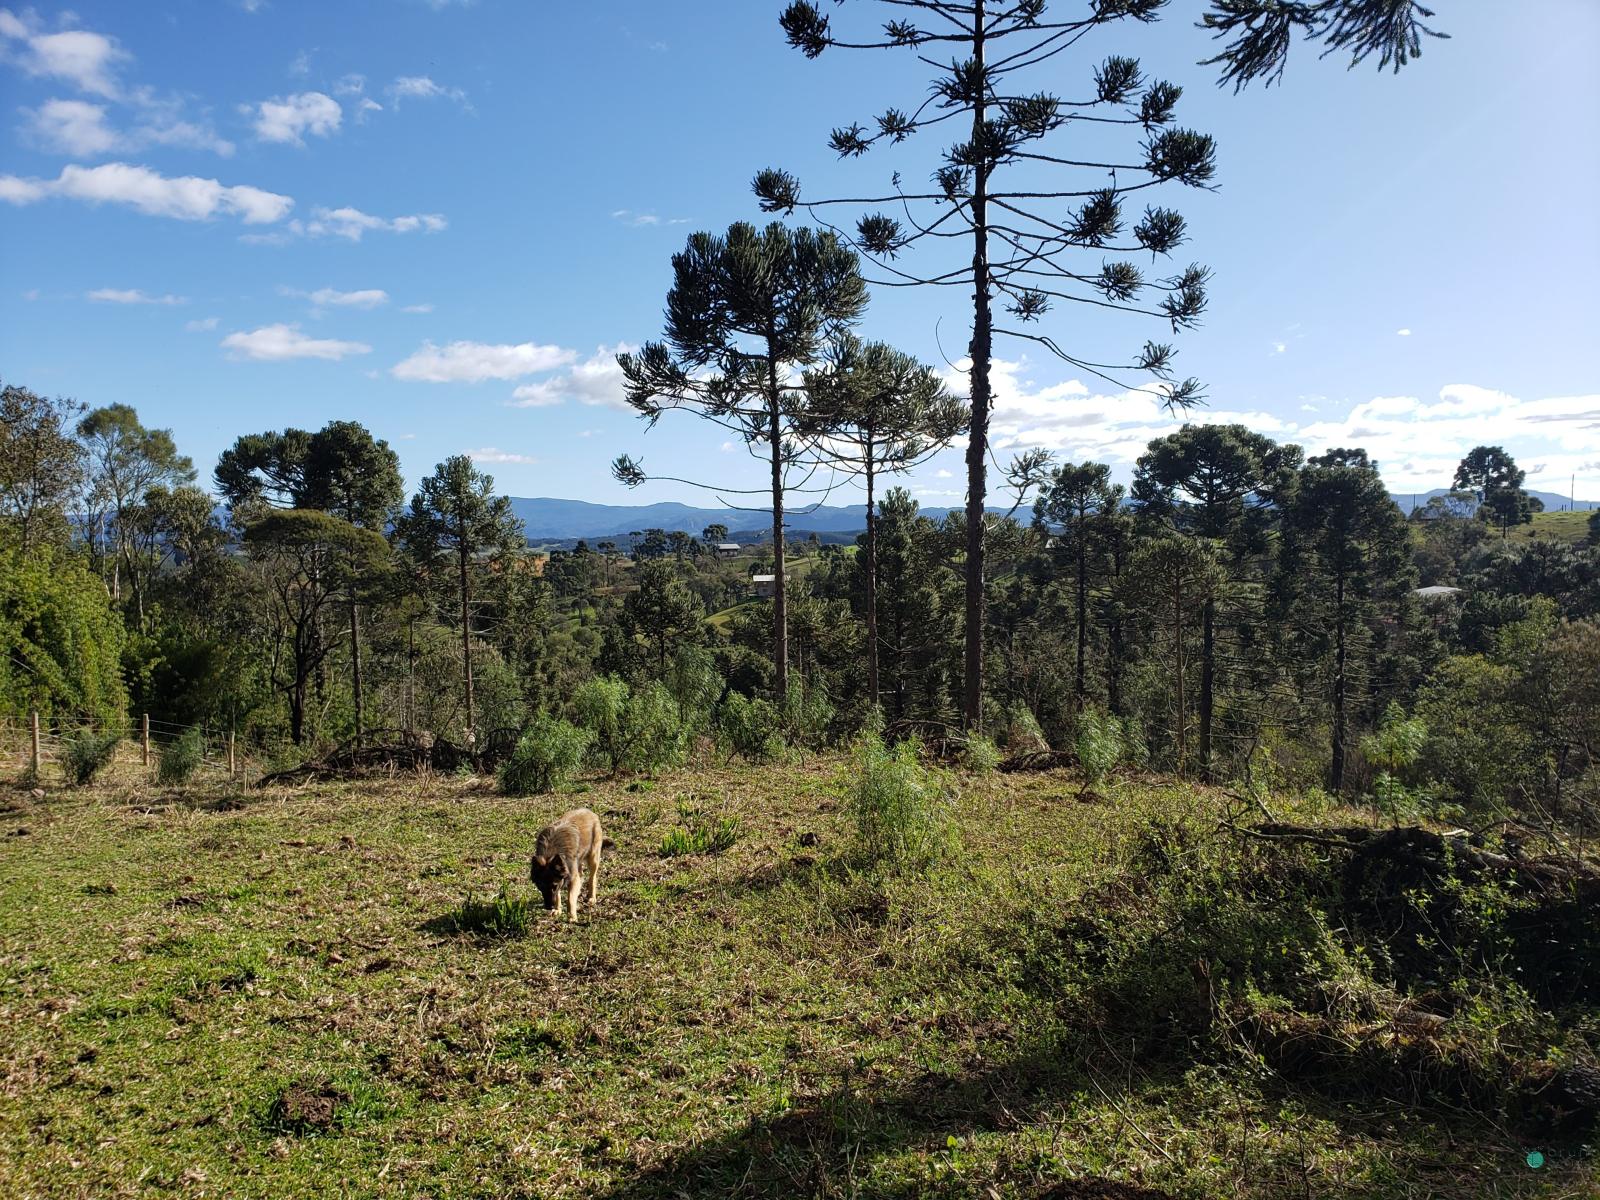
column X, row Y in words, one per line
column 456, row 521
column 1000, row 193
column 1079, row 507
column 746, row 313
column 875, row 410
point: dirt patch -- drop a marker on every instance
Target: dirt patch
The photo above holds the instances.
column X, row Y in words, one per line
column 301, row 1109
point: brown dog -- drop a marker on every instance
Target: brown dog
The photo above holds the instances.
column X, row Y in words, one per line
column 571, row 841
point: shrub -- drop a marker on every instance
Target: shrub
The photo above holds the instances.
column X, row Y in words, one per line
column 1395, row 748
column 182, row 758
column 1098, row 741
column 85, row 753
column 636, row 729
column 980, row 755
column 807, row 714
column 545, row 757
column 1023, row 735
column 504, row 916
column 748, row 728
column 901, row 809
column 702, row 832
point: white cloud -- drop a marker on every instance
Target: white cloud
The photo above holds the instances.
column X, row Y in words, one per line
column 352, row 84
column 421, row 87
column 131, row 296
column 1280, row 347
column 644, row 220
column 364, row 106
column 301, row 64
column 1402, row 333
column 333, row 298
column 490, row 454
column 289, row 118
column 351, row 223
column 596, row 381
column 941, row 473
column 474, row 362
column 202, row 325
column 417, row 308
column 186, row 198
column 77, row 56
column 82, row 129
column 279, row 343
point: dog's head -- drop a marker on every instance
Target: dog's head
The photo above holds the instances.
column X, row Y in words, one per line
column 547, row 874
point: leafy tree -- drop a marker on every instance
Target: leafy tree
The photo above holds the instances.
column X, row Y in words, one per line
column 746, row 310
column 1345, row 563
column 125, row 461
column 1222, row 483
column 341, row 469
column 456, row 515
column 662, row 612
column 1079, row 508
column 309, row 558
column 1173, row 580
column 875, row 410
column 41, row 465
column 714, row 535
column 60, row 640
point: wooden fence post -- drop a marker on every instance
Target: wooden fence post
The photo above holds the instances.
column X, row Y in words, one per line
column 144, row 739
column 232, row 761
column 37, row 765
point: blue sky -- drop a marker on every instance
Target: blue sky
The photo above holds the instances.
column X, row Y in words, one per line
column 440, row 218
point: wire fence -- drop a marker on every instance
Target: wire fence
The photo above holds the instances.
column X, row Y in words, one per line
column 37, row 748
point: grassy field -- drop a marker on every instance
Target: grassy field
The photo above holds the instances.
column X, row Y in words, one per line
column 1572, row 527
column 246, row 993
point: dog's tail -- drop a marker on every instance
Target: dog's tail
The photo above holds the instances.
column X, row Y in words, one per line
column 607, row 844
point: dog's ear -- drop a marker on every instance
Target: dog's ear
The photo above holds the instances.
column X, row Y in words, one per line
column 558, row 868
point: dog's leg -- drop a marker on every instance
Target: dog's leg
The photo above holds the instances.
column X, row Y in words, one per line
column 594, row 874
column 572, row 895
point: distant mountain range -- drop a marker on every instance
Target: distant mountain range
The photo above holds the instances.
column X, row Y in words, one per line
column 548, row 519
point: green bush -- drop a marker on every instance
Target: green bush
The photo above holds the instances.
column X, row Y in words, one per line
column 505, row 916
column 85, row 753
column 807, row 715
column 901, row 809
column 980, row 755
column 749, row 728
column 702, row 832
column 545, row 757
column 1099, row 743
column 634, row 729
column 1023, row 735
column 181, row 759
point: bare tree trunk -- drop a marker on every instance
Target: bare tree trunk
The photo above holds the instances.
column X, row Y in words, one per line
column 780, row 588
column 1080, row 690
column 1208, row 621
column 466, row 635
column 977, row 442
column 1339, row 657
column 872, row 586
column 1183, row 683
column 355, row 663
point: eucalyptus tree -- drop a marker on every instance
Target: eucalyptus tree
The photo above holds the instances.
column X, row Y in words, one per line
column 1003, row 121
column 125, row 462
column 456, row 520
column 41, row 464
column 340, row 469
column 1225, row 484
column 1080, row 507
column 1345, row 564
column 875, row 410
column 746, row 313
column 308, row 556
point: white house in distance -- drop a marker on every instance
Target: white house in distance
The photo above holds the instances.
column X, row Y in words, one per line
column 766, row 586
column 728, row 549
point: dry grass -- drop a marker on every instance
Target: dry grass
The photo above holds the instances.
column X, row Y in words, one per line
column 229, row 993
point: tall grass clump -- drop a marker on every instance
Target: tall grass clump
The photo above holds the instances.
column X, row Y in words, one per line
column 504, row 916
column 702, row 832
column 85, row 753
column 1098, row 741
column 901, row 809
column 545, row 757
column 181, row 759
